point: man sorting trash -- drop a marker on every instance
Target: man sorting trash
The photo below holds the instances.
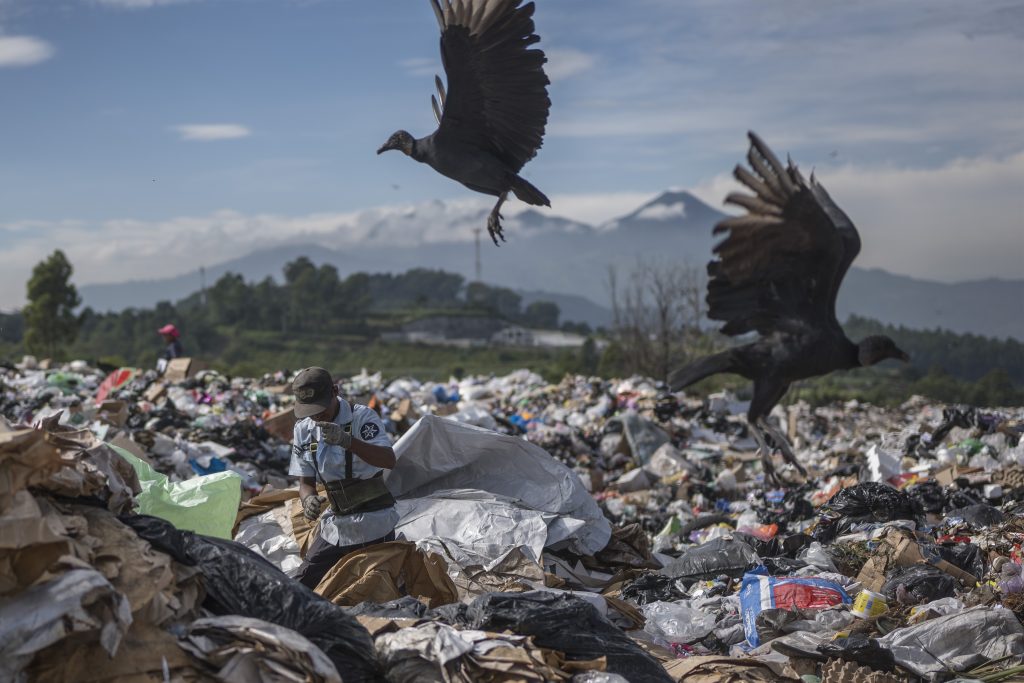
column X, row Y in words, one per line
column 344, row 448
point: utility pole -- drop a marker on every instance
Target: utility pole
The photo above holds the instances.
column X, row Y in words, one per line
column 479, row 267
column 202, row 285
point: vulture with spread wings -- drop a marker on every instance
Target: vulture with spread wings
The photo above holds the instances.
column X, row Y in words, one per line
column 491, row 120
column 778, row 272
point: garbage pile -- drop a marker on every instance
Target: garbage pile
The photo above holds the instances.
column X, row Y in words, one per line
column 591, row 530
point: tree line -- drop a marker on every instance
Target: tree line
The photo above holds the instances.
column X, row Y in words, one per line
column 310, row 300
column 658, row 324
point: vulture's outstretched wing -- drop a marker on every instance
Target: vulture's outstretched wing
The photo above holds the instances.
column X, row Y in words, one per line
column 497, row 95
column 782, row 263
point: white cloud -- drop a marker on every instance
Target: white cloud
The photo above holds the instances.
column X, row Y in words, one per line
column 421, row 66
column 207, row 132
column 567, row 62
column 947, row 223
column 23, row 51
column 644, row 120
column 660, row 212
column 599, row 209
column 712, row 191
column 126, row 249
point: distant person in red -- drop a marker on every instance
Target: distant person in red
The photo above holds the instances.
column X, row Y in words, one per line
column 170, row 334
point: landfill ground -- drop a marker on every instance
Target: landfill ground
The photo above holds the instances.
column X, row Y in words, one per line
column 591, row 531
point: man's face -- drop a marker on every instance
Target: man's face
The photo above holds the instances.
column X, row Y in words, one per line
column 332, row 410
column 168, row 338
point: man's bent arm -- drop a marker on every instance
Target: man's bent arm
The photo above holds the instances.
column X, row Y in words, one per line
column 371, row 454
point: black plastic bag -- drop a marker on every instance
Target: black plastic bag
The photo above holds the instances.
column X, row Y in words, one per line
column 920, row 583
column 860, row 649
column 871, row 502
column 929, row 495
column 453, row 614
column 703, row 522
column 405, row 607
column 965, row 417
column 654, row 588
column 567, row 624
column 957, row 498
column 792, row 545
column 720, row 556
column 793, row 507
column 781, row 546
column 866, row 502
column 978, row 516
column 782, row 566
column 966, row 556
column 238, row 581
column 769, row 548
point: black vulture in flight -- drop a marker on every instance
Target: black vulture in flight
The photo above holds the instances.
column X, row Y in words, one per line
column 777, row 273
column 492, row 119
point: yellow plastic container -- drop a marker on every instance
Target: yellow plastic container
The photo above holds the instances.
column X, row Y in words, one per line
column 869, row 604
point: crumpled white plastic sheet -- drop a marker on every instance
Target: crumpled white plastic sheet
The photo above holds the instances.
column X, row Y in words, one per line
column 470, row 495
column 469, row 527
column 517, row 482
column 270, row 535
column 957, row 642
column 80, row 600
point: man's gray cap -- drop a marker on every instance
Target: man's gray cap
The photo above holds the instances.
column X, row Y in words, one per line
column 313, row 389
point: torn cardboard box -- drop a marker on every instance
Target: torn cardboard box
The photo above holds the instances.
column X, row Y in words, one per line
column 281, row 424
column 178, row 370
column 899, row 549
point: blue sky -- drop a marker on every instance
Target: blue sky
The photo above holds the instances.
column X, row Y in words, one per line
column 125, row 120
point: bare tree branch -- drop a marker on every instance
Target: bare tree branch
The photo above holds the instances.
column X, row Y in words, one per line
column 656, row 315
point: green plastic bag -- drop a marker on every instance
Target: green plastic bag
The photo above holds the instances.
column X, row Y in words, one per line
column 206, row 505
column 972, row 446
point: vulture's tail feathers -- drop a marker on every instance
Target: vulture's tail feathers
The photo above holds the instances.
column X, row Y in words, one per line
column 696, row 371
column 528, row 193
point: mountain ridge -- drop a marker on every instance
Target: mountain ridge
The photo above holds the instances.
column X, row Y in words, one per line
column 555, row 256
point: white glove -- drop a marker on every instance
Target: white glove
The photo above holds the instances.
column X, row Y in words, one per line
column 334, row 435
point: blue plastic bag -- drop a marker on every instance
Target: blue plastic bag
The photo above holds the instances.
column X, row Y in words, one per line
column 761, row 592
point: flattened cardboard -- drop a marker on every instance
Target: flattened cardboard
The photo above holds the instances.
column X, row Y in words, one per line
column 178, row 370
column 946, row 476
column 281, row 424
column 155, row 392
column 901, row 550
column 113, row 412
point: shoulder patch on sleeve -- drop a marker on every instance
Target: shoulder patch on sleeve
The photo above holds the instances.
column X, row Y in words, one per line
column 369, row 431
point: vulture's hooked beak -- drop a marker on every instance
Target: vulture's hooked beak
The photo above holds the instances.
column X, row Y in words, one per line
column 389, row 145
column 902, row 355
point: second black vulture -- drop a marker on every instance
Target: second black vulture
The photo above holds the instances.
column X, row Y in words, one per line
column 778, row 273
column 491, row 120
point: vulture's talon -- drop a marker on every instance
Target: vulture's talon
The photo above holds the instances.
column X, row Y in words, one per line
column 494, row 228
